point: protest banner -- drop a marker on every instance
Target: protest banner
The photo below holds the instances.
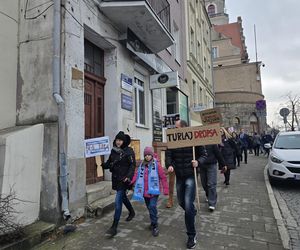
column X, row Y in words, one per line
column 211, row 116
column 95, row 147
column 193, row 136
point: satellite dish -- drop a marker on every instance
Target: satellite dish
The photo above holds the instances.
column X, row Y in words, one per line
column 284, row 112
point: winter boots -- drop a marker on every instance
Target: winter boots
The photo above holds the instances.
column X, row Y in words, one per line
column 113, row 229
column 131, row 214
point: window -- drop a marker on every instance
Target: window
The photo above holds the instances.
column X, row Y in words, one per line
column 192, row 41
column 194, row 93
column 93, row 59
column 183, row 107
column 139, row 102
column 171, row 101
column 214, row 52
column 201, row 96
column 199, row 51
column 177, row 48
column 211, row 9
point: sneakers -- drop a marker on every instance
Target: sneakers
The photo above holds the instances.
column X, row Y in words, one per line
column 211, row 208
column 191, row 243
column 155, row 231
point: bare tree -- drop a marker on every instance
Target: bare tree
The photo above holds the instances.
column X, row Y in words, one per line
column 9, row 229
column 293, row 104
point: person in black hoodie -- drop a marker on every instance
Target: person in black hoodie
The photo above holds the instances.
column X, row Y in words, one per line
column 181, row 161
column 228, row 149
column 121, row 164
column 208, row 174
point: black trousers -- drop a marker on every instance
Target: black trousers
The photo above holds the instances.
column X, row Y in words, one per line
column 244, row 149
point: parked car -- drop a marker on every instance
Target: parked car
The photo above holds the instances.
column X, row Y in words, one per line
column 284, row 158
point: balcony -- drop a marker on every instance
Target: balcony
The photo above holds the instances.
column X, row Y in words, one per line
column 149, row 20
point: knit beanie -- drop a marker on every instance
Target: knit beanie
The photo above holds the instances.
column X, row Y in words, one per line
column 148, row 151
column 121, row 136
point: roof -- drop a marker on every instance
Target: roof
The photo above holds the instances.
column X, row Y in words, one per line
column 234, row 31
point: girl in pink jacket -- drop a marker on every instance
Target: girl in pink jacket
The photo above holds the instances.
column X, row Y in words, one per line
column 149, row 180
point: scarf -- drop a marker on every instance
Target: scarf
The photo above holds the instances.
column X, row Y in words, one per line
column 153, row 181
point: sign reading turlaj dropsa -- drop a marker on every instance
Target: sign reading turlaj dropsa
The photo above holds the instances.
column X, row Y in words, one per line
column 97, row 146
column 211, row 116
column 164, row 80
column 193, row 136
column 126, row 83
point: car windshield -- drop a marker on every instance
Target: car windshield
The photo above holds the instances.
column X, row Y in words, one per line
column 288, row 142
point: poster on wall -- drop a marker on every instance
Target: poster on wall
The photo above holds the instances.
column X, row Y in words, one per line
column 96, row 146
column 135, row 144
column 169, row 120
column 126, row 102
column 157, row 122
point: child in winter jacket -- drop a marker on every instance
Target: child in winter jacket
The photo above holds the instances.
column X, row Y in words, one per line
column 148, row 179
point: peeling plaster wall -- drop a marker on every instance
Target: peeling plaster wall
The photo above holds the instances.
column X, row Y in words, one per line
column 35, row 103
column 8, row 62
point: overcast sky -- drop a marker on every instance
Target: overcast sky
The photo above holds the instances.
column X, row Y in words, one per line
column 278, row 42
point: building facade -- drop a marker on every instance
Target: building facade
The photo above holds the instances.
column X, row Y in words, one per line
column 199, row 60
column 238, row 86
column 109, row 50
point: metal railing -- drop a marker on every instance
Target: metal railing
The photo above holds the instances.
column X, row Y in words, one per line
column 162, row 10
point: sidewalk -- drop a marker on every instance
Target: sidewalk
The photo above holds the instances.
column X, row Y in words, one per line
column 243, row 220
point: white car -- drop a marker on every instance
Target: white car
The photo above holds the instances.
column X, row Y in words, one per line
column 284, row 158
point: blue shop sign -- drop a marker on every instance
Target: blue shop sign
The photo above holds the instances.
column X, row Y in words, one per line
column 126, row 102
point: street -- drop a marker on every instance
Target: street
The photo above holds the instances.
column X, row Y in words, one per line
column 287, row 195
column 243, row 220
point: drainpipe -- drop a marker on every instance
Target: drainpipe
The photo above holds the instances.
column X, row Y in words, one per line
column 56, row 74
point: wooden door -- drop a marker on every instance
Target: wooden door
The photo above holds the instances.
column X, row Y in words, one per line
column 94, row 118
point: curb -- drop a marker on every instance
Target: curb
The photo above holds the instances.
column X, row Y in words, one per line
column 284, row 235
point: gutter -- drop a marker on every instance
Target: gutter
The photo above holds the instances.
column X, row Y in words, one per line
column 56, row 74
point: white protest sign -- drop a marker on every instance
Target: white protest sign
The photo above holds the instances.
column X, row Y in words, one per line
column 97, row 146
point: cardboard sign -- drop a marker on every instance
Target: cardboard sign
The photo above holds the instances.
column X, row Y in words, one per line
column 97, row 146
column 211, row 116
column 193, row 136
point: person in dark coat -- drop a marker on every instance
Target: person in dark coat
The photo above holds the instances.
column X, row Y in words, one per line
column 244, row 138
column 181, row 161
column 227, row 148
column 121, row 164
column 208, row 174
column 238, row 152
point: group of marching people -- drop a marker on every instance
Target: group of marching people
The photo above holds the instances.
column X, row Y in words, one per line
column 150, row 180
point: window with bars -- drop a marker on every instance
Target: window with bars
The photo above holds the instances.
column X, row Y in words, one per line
column 93, row 59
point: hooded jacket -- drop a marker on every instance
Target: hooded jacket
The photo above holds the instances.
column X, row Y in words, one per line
column 121, row 163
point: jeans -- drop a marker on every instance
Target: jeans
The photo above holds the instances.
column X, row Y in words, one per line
column 256, row 149
column 121, row 197
column 186, row 196
column 151, row 204
column 208, row 175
